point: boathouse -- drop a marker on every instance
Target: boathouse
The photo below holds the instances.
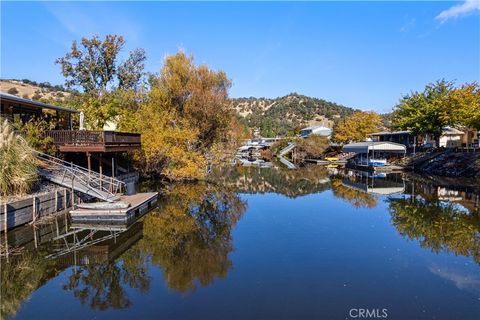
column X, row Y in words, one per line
column 374, row 153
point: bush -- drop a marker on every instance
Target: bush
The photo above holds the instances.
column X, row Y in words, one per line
column 17, row 163
column 37, row 96
column 312, row 147
column 34, row 133
column 13, row 91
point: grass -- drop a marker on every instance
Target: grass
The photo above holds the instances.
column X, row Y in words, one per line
column 17, row 163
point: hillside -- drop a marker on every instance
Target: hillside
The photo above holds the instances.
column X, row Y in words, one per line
column 32, row 90
column 280, row 116
column 285, row 115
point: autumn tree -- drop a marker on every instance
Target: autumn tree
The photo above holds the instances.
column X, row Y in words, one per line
column 93, row 67
column 314, row 146
column 356, row 127
column 185, row 116
column 466, row 99
column 197, row 94
column 427, row 112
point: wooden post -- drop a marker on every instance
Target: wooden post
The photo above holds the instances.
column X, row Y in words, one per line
column 113, row 167
column 56, row 224
column 113, row 174
column 89, row 163
column 64, row 199
column 56, row 201
column 5, row 218
column 34, row 213
column 35, row 235
column 100, row 167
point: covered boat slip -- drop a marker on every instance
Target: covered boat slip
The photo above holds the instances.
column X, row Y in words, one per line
column 374, row 153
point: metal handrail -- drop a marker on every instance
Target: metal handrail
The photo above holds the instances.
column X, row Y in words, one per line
column 92, row 179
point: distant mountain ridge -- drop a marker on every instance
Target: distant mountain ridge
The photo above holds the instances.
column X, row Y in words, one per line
column 279, row 116
column 33, row 90
column 285, row 115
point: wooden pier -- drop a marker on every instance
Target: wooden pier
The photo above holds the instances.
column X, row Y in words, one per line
column 375, row 169
column 326, row 162
column 140, row 204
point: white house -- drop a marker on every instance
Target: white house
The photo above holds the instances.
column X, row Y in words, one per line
column 450, row 138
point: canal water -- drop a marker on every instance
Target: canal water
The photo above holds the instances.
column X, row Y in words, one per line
column 260, row 243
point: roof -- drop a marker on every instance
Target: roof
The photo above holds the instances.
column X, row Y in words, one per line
column 449, row 131
column 316, row 128
column 365, row 146
column 32, row 103
column 390, row 133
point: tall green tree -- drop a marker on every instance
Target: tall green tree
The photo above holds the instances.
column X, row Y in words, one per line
column 106, row 84
column 427, row 112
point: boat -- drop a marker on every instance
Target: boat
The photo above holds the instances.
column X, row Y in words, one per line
column 104, row 205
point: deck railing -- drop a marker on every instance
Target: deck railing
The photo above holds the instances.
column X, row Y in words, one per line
column 91, row 138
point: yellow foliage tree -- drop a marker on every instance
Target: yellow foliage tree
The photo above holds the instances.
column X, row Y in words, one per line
column 183, row 120
column 356, row 127
column 466, row 99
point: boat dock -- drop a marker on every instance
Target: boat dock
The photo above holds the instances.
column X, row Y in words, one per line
column 326, row 162
column 139, row 204
column 375, row 169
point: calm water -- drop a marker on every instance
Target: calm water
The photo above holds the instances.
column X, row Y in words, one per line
column 261, row 244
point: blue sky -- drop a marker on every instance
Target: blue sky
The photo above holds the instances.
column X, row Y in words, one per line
column 360, row 54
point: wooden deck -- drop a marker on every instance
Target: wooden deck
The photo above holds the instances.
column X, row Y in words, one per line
column 94, row 141
column 140, row 204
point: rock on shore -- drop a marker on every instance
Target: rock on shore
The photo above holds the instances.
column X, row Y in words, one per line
column 448, row 163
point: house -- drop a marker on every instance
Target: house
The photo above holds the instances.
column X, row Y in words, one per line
column 402, row 137
column 316, row 130
column 471, row 138
column 78, row 146
column 451, row 138
column 17, row 109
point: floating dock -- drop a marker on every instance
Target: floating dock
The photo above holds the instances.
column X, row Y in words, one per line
column 326, row 162
column 375, row 169
column 140, row 204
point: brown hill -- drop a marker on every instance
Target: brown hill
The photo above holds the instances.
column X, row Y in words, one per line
column 285, row 115
column 32, row 90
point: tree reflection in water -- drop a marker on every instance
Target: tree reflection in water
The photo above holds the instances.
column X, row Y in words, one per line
column 356, row 198
column 20, row 276
column 437, row 225
column 189, row 236
column 102, row 286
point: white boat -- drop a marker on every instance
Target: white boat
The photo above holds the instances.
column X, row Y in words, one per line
column 104, row 205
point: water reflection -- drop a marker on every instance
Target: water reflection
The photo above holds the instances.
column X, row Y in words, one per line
column 189, row 236
column 291, row 183
column 437, row 225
